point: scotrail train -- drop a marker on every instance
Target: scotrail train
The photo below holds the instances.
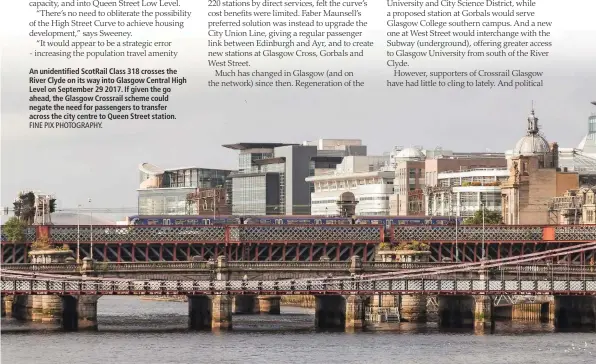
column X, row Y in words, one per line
column 387, row 221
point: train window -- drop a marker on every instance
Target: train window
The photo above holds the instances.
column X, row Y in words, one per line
column 167, row 222
column 279, row 221
column 206, row 222
column 320, row 222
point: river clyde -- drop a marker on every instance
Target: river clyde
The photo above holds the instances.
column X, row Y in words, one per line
column 136, row 331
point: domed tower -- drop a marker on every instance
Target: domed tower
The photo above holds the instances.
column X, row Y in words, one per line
column 588, row 143
column 534, row 144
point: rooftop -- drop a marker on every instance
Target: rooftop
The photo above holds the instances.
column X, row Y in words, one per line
column 153, row 170
column 244, row 146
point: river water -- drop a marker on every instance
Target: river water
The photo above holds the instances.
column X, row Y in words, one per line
column 150, row 332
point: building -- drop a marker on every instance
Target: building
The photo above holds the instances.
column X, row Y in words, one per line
column 271, row 177
column 534, row 178
column 574, row 207
column 165, row 191
column 419, row 190
column 358, row 186
column 464, row 192
column 588, row 143
column 408, row 199
column 583, row 158
column 338, row 147
column 208, row 201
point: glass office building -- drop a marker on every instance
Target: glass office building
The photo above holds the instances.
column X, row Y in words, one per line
column 164, row 192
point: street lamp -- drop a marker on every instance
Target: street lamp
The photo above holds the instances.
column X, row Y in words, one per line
column 78, row 232
column 456, row 231
column 482, row 206
column 91, row 223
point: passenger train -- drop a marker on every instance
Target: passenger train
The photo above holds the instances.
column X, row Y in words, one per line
column 387, row 221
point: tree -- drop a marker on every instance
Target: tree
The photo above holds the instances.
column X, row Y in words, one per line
column 490, row 218
column 24, row 207
column 14, row 230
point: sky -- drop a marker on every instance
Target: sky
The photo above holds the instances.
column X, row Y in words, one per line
column 101, row 164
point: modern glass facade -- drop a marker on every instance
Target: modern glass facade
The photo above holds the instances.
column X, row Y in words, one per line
column 256, row 194
column 246, row 158
column 195, row 177
column 168, row 196
column 163, row 201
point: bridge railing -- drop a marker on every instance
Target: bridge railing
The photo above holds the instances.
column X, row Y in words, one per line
column 64, row 234
column 270, row 233
column 320, row 266
column 493, row 233
column 45, row 267
column 149, row 266
column 441, row 285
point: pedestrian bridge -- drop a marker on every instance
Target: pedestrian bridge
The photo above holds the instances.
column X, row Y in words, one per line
column 464, row 292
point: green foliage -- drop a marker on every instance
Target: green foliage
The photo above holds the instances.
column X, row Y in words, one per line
column 414, row 245
column 490, row 218
column 24, row 207
column 14, row 230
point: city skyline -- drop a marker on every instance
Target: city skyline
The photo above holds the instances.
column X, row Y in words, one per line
column 128, row 199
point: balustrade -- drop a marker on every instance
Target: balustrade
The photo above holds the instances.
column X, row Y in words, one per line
column 63, row 285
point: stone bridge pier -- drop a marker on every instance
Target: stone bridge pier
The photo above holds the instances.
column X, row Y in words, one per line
column 575, row 312
column 210, row 312
column 70, row 312
column 413, row 308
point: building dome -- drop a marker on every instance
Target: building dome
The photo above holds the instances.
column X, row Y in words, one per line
column 410, row 154
column 531, row 145
column 588, row 143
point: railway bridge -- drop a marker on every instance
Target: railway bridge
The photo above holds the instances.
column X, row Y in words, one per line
column 465, row 293
column 282, row 243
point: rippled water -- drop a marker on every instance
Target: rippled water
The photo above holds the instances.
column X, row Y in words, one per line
column 135, row 331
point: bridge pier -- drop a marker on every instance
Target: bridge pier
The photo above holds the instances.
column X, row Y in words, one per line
column 456, row 311
column 51, row 309
column 221, row 312
column 413, row 308
column 36, row 308
column 269, row 304
column 354, row 320
column 575, row 312
column 330, row 312
column 484, row 311
column 87, row 312
column 8, row 305
column 199, row 312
